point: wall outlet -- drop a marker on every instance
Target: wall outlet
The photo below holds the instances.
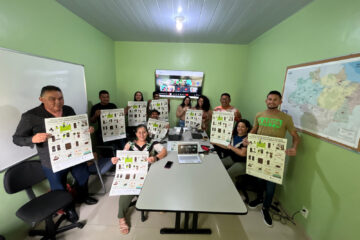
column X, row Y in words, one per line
column 304, row 212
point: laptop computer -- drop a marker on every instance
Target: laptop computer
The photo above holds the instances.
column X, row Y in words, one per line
column 188, row 152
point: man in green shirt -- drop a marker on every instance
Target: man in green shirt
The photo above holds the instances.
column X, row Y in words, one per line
column 272, row 122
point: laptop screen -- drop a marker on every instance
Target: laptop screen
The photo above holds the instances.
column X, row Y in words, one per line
column 188, row 148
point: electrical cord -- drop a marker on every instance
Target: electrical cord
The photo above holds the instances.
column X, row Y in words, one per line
column 280, row 215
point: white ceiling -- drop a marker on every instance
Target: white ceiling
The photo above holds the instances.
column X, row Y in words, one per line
column 206, row 21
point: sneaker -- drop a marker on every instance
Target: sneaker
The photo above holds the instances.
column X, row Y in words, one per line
column 253, row 204
column 267, row 217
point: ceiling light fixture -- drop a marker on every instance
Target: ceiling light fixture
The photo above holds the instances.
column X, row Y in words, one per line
column 179, row 23
column 179, row 9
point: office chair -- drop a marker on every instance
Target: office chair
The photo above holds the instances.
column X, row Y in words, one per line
column 22, row 177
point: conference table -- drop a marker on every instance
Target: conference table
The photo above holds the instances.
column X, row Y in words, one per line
column 190, row 189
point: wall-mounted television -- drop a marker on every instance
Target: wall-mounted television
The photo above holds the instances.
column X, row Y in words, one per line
column 178, row 84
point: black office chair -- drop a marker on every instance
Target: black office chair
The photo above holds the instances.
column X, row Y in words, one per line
column 22, row 177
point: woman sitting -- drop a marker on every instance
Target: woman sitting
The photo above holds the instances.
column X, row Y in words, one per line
column 235, row 152
column 181, row 110
column 203, row 103
column 156, row 152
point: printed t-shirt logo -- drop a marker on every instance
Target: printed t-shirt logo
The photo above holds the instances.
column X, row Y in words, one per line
column 270, row 122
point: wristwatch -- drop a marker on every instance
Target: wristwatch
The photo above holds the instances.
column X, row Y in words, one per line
column 156, row 158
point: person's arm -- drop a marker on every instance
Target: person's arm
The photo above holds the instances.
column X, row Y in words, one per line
column 238, row 151
column 180, row 111
column 24, row 135
column 114, row 160
column 237, row 115
column 295, row 141
column 94, row 114
column 159, row 156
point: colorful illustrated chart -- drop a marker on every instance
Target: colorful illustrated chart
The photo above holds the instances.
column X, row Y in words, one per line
column 157, row 129
column 70, row 142
column 162, row 106
column 131, row 170
column 221, row 127
column 113, row 124
column 193, row 118
column 266, row 157
column 136, row 113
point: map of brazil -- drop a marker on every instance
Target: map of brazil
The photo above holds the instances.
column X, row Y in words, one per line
column 324, row 99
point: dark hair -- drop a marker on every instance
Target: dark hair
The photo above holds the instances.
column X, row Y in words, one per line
column 142, row 97
column 247, row 124
column 206, row 104
column 183, row 101
column 103, row 92
column 48, row 89
column 152, row 111
column 274, row 92
column 140, row 126
column 226, row 94
column 155, row 92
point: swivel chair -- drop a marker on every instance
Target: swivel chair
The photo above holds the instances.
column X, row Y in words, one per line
column 22, row 177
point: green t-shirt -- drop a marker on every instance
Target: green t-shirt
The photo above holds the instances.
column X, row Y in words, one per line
column 273, row 125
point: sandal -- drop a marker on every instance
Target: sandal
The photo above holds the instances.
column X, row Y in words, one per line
column 124, row 228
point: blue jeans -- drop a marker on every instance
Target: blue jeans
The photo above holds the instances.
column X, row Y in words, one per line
column 58, row 180
column 269, row 189
column 181, row 123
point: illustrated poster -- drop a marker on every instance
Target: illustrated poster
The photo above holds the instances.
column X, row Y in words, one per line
column 162, row 106
column 131, row 171
column 266, row 157
column 113, row 124
column 157, row 129
column 221, row 127
column 136, row 113
column 70, row 142
column 193, row 118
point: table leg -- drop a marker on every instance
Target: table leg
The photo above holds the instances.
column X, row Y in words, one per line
column 185, row 230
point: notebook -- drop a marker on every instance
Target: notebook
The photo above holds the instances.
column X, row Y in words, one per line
column 188, row 152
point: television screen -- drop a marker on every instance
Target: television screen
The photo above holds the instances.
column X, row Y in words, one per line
column 178, row 84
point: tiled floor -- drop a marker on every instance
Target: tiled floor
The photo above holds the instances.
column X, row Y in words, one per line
column 102, row 223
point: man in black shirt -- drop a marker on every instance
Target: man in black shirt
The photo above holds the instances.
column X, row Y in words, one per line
column 95, row 113
column 31, row 130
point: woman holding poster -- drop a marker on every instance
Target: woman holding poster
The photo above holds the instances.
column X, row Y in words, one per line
column 235, row 152
column 203, row 103
column 156, row 152
column 181, row 110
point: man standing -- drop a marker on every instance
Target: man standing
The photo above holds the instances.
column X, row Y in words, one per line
column 95, row 113
column 226, row 107
column 31, row 130
column 272, row 122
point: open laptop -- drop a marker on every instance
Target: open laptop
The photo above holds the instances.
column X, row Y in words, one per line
column 188, row 152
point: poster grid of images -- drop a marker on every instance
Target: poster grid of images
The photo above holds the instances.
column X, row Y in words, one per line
column 266, row 157
column 157, row 129
column 131, row 171
column 193, row 118
column 136, row 113
column 113, row 124
column 221, row 127
column 70, row 142
column 161, row 105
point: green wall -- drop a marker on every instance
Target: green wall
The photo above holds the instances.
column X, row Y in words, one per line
column 323, row 177
column 45, row 28
column 224, row 66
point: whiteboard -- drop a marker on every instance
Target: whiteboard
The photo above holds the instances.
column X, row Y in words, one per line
column 21, row 77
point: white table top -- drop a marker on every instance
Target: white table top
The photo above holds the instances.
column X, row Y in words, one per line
column 204, row 187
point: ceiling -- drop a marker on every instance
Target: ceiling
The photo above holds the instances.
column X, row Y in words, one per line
column 205, row 21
